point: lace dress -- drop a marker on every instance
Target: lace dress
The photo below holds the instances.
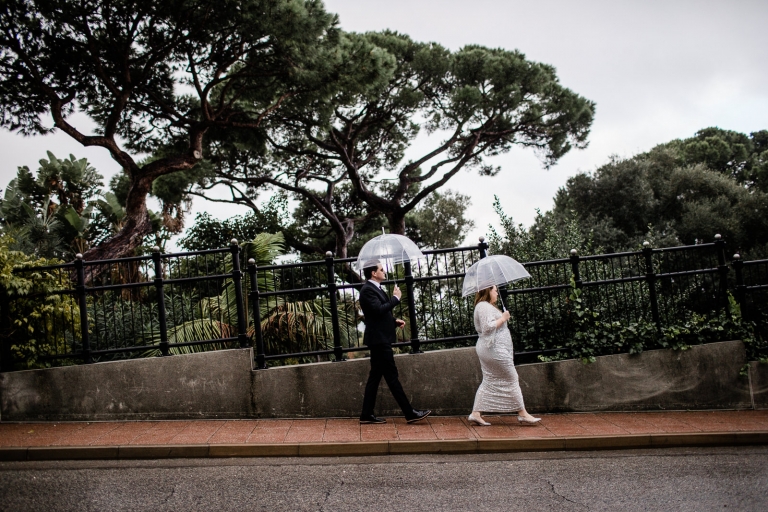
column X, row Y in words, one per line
column 500, row 389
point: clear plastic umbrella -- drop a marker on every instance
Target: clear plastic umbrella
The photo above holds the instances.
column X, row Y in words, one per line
column 388, row 249
column 492, row 270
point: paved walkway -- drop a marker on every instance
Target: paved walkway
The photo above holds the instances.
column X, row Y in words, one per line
column 436, row 434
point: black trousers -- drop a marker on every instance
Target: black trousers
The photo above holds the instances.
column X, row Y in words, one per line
column 383, row 365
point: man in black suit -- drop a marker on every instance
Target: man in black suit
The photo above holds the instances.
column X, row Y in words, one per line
column 380, row 325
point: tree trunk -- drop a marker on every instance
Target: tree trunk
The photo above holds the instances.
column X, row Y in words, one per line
column 342, row 247
column 396, row 222
column 137, row 225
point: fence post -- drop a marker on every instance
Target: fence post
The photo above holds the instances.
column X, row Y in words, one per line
column 723, row 271
column 337, row 353
column 650, row 278
column 482, row 247
column 575, row 267
column 409, row 295
column 237, row 278
column 6, row 364
column 83, row 305
column 160, row 289
column 739, row 292
column 261, row 362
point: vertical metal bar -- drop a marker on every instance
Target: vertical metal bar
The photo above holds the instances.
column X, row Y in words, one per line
column 650, row 278
column 723, row 271
column 575, row 271
column 482, row 247
column 410, row 297
column 575, row 267
column 739, row 292
column 160, row 301
column 237, row 277
column 261, row 362
column 337, row 353
column 6, row 363
column 82, row 303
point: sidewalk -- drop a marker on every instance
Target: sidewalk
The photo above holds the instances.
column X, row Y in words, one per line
column 336, row 437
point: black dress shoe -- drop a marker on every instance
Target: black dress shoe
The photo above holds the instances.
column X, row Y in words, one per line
column 371, row 419
column 418, row 415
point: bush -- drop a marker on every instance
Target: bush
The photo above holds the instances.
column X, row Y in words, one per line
column 33, row 311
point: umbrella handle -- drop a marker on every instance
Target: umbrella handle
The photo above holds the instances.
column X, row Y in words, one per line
column 503, row 305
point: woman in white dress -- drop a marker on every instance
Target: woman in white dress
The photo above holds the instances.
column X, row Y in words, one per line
column 500, row 389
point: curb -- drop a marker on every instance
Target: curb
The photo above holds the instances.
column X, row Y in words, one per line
column 459, row 446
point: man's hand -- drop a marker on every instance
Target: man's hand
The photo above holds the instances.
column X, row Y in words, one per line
column 399, row 323
column 397, row 293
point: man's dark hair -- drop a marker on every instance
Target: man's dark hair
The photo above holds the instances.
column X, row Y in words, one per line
column 368, row 271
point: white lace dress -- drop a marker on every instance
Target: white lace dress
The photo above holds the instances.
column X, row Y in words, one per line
column 500, row 389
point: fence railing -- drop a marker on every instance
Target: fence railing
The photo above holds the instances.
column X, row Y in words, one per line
column 164, row 304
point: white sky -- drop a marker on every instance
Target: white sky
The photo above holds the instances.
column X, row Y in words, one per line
column 658, row 70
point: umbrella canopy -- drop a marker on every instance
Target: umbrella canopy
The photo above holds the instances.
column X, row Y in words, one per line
column 390, row 250
column 492, row 270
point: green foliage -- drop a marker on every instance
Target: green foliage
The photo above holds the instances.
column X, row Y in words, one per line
column 615, row 319
column 440, row 221
column 287, row 326
column 33, row 307
column 741, row 157
column 210, row 233
column 592, row 335
column 49, row 214
column 681, row 193
column 159, row 78
column 549, row 237
column 353, row 141
column 61, row 210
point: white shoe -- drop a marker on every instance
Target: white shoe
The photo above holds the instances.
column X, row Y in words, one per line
column 530, row 421
column 477, row 421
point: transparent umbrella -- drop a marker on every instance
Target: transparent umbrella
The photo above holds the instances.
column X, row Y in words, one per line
column 388, row 249
column 493, row 270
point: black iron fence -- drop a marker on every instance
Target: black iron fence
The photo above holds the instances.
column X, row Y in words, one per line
column 164, row 304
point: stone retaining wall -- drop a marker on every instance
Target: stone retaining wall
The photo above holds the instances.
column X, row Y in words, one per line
column 204, row 385
column 223, row 385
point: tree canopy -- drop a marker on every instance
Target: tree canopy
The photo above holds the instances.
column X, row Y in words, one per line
column 149, row 72
column 478, row 102
column 681, row 192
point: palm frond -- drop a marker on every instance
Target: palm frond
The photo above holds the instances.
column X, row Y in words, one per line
column 196, row 330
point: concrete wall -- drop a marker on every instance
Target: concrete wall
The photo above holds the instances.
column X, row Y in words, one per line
column 444, row 381
column 205, row 385
column 703, row 377
column 758, row 380
column 223, row 385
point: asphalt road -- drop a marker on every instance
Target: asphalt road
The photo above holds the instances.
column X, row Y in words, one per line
column 672, row 479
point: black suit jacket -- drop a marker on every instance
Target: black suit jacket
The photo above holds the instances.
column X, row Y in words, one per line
column 379, row 321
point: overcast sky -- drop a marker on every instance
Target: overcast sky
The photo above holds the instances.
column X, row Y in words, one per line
column 657, row 70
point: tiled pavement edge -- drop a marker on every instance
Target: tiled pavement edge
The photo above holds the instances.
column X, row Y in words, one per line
column 340, row 437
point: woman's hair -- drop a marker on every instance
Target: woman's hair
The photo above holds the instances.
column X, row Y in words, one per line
column 483, row 296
